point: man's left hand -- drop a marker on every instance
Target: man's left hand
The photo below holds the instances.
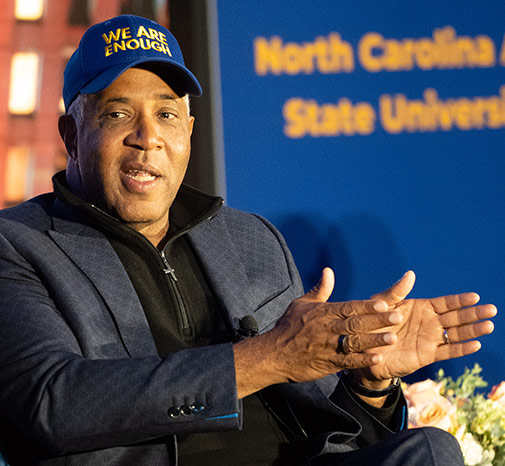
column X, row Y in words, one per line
column 420, row 335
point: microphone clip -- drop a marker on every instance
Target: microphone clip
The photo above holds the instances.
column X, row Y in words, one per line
column 248, row 327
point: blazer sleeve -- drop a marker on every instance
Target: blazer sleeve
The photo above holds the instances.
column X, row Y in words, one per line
column 70, row 395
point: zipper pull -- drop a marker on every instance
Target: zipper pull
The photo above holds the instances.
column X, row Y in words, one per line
column 167, row 268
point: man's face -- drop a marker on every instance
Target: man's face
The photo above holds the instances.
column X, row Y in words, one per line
column 133, row 149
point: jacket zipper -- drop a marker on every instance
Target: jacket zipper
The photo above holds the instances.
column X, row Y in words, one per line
column 169, row 270
column 173, row 283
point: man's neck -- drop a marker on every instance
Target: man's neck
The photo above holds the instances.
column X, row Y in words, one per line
column 155, row 233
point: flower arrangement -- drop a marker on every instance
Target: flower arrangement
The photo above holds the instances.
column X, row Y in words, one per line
column 477, row 421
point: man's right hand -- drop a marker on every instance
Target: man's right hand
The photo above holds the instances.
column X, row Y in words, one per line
column 302, row 345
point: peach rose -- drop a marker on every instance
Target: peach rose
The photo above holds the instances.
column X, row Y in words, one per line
column 428, row 408
column 422, row 392
column 498, row 393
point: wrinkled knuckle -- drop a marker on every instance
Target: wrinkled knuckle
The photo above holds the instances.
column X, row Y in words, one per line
column 347, row 362
column 353, row 344
column 346, row 309
column 352, row 325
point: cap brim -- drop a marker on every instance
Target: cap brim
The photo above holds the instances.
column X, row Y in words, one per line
column 184, row 82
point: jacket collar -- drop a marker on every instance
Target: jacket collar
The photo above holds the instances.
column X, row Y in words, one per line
column 190, row 207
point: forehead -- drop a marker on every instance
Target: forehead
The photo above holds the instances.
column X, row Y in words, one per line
column 138, row 84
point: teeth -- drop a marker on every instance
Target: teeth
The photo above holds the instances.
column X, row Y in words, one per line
column 140, row 175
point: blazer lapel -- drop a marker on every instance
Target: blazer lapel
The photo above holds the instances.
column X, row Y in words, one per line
column 96, row 258
column 224, row 271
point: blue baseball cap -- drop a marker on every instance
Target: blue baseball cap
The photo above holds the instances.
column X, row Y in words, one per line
column 108, row 49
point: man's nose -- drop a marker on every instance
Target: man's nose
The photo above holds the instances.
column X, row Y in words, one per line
column 145, row 134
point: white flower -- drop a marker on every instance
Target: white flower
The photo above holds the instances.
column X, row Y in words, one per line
column 473, row 452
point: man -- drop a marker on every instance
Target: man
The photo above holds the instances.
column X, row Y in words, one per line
column 142, row 320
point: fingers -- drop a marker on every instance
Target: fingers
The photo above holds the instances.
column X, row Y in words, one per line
column 347, row 309
column 399, row 291
column 452, row 302
column 355, row 361
column 456, row 350
column 463, row 326
column 322, row 291
column 468, row 323
column 358, row 324
column 363, row 342
column 467, row 315
column 470, row 331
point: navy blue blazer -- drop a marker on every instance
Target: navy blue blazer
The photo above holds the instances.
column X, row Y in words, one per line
column 80, row 379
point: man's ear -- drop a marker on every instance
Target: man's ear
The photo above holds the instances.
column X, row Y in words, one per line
column 68, row 132
column 191, row 124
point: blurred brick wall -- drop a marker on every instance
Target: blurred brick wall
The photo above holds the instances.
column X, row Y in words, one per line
column 30, row 147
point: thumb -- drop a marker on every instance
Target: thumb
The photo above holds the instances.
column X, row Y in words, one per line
column 322, row 291
column 398, row 291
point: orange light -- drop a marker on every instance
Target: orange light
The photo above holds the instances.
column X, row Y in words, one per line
column 24, row 83
column 29, row 10
column 18, row 171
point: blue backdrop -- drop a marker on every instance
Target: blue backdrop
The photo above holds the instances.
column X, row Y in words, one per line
column 371, row 134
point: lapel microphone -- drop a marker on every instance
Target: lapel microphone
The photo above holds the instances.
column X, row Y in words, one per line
column 248, row 327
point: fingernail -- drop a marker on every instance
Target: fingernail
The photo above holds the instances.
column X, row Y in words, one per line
column 380, row 306
column 376, row 359
column 389, row 338
column 395, row 318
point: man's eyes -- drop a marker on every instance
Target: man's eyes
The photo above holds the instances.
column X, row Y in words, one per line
column 115, row 115
column 168, row 115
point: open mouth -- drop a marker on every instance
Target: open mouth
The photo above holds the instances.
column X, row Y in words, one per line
column 140, row 175
column 140, row 178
